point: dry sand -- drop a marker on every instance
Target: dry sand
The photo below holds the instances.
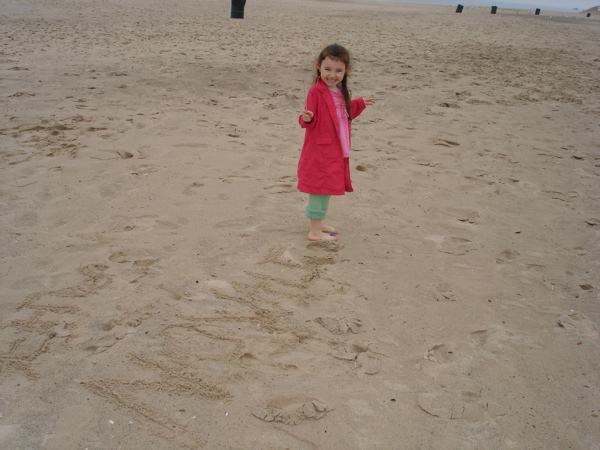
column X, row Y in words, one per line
column 159, row 292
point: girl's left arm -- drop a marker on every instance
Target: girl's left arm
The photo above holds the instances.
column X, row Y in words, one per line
column 359, row 105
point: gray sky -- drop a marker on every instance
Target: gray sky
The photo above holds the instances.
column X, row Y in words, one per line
column 580, row 4
column 563, row 5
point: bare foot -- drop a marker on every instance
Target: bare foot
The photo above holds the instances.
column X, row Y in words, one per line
column 322, row 237
column 328, row 229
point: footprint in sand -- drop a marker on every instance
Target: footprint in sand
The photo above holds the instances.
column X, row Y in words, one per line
column 439, row 353
column 578, row 324
column 366, row 168
column 328, row 246
column 369, row 365
column 470, row 218
column 465, row 404
column 125, row 155
column 368, row 362
column 341, row 325
column 291, row 411
column 507, row 256
column 562, row 196
column 445, row 143
column 452, row 394
column 118, row 257
column 95, row 276
column 147, row 223
column 280, row 189
column 192, row 188
column 115, row 334
column 144, row 169
column 145, row 262
column 457, row 246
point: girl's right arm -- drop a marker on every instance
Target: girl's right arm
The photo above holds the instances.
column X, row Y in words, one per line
column 303, row 123
column 308, row 117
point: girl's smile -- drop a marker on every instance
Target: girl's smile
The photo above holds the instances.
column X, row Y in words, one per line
column 332, row 72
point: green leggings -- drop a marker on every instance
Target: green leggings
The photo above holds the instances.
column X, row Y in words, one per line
column 317, row 206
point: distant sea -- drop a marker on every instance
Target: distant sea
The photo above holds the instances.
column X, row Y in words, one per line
column 544, row 5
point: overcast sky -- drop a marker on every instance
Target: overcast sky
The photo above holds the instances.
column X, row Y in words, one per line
column 560, row 5
column 570, row 4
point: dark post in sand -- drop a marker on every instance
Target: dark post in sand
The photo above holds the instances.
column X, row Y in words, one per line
column 237, row 9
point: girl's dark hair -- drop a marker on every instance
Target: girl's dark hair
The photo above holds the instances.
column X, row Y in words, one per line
column 339, row 53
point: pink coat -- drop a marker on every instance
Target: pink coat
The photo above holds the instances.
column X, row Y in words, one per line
column 322, row 168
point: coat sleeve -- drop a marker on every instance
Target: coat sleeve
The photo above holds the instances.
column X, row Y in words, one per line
column 311, row 105
column 358, row 106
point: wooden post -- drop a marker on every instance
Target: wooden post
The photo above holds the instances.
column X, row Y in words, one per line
column 237, row 9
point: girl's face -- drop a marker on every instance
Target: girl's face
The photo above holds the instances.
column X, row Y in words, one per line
column 332, row 72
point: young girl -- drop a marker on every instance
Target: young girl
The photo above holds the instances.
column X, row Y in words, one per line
column 324, row 169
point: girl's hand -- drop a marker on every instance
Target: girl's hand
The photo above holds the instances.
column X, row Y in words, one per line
column 369, row 101
column 307, row 115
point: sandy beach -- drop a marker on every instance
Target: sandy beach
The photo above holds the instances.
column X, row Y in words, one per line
column 158, row 289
